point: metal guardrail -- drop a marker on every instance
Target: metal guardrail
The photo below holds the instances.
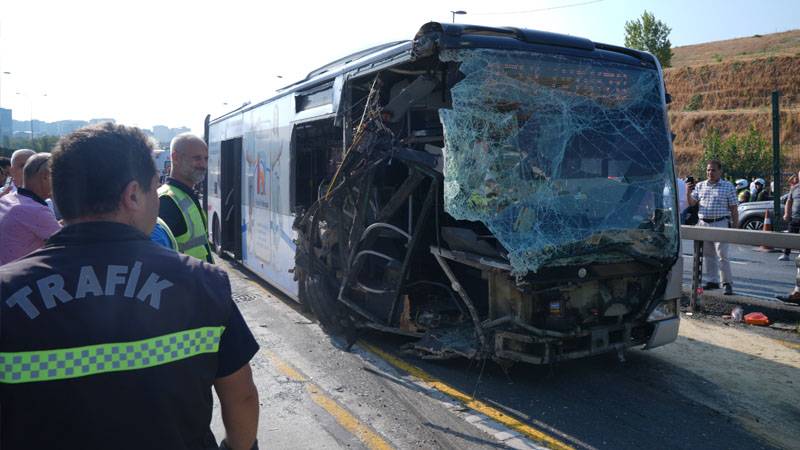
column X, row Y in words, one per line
column 730, row 236
column 741, row 237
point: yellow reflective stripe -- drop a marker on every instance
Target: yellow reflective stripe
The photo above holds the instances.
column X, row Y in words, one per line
column 59, row 364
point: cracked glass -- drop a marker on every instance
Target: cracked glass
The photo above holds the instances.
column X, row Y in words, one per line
column 565, row 159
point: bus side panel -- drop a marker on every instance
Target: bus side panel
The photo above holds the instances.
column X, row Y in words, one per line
column 217, row 133
column 267, row 235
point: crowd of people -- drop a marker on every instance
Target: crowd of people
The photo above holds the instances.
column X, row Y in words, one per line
column 113, row 313
column 714, row 202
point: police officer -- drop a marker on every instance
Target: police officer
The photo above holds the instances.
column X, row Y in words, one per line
column 179, row 205
column 110, row 341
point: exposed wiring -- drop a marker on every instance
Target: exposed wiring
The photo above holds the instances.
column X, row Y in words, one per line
column 571, row 5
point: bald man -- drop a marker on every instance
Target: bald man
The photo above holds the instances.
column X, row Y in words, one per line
column 25, row 219
column 18, row 160
column 179, row 205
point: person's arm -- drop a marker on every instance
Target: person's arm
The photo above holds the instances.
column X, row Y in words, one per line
column 234, row 380
column 691, row 196
column 787, row 208
column 238, row 399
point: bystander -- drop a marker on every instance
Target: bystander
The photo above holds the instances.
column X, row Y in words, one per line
column 5, row 164
column 791, row 215
column 18, row 160
column 717, row 208
column 179, row 205
column 25, row 220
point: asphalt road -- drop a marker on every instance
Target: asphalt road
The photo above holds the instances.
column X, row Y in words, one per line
column 755, row 273
column 315, row 394
column 600, row 403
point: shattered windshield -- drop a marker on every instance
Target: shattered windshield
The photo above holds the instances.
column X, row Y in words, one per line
column 566, row 160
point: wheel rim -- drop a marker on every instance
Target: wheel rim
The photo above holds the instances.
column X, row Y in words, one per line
column 754, row 225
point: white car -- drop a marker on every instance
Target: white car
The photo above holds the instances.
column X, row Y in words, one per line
column 751, row 214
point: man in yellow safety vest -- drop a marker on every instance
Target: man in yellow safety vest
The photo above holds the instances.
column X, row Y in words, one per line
column 179, row 205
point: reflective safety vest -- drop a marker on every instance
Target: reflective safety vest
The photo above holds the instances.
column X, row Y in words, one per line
column 194, row 242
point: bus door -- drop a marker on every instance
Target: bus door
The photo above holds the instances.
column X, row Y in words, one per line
column 231, row 197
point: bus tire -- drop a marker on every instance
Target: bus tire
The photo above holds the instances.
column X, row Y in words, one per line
column 320, row 296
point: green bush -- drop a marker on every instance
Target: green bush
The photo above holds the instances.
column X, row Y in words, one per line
column 742, row 156
column 694, row 103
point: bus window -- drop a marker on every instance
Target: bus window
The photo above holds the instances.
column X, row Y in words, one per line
column 315, row 148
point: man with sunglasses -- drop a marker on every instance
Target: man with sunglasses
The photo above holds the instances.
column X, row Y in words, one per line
column 25, row 219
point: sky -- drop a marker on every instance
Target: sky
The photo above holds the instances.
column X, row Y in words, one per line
column 171, row 62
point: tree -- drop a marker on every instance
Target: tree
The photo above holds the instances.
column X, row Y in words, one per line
column 39, row 144
column 650, row 34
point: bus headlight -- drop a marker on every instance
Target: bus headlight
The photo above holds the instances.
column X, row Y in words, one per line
column 665, row 310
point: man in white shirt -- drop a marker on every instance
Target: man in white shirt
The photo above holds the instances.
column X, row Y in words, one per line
column 718, row 209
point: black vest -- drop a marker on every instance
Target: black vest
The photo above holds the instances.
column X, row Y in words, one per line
column 108, row 340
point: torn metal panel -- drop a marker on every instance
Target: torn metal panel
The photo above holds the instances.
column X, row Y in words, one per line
column 565, row 159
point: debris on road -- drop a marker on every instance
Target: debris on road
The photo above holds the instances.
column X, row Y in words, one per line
column 737, row 314
column 783, row 326
column 756, row 318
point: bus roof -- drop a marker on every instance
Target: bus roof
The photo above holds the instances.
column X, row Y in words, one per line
column 454, row 36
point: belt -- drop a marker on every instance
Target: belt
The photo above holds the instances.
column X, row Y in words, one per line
column 715, row 220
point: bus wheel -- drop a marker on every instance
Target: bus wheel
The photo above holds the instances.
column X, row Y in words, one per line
column 320, row 296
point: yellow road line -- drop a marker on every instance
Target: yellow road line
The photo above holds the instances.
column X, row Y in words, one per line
column 349, row 422
column 791, row 345
column 346, row 420
column 284, row 367
column 475, row 405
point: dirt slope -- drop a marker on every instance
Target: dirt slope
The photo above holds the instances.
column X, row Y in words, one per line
column 727, row 85
column 786, row 43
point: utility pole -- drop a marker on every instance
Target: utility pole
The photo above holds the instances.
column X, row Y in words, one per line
column 776, row 159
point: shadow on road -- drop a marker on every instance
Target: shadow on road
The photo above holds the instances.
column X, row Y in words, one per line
column 602, row 403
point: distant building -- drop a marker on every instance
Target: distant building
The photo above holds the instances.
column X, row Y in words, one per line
column 96, row 121
column 6, row 125
column 165, row 134
column 63, row 127
column 163, row 163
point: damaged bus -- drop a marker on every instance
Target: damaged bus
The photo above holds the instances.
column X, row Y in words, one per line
column 495, row 193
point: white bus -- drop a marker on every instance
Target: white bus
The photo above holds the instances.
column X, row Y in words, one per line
column 490, row 192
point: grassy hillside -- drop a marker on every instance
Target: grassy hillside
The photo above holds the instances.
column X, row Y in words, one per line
column 740, row 49
column 727, row 85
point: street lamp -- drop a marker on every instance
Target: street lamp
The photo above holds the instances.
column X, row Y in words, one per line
column 460, row 13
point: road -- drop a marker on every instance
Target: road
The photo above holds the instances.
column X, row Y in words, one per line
column 718, row 386
column 755, row 273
